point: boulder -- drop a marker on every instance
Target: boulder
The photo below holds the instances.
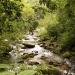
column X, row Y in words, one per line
column 28, row 45
column 34, row 62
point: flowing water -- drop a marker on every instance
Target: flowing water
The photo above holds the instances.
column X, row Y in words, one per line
column 40, row 54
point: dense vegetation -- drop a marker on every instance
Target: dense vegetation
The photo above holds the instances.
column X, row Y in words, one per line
column 60, row 32
column 53, row 19
column 14, row 22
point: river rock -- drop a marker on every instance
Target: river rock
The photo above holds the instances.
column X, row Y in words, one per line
column 28, row 46
column 34, row 62
column 28, row 42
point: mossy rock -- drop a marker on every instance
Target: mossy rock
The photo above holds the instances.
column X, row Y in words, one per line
column 67, row 54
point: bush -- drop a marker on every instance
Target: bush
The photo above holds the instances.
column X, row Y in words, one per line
column 67, row 54
column 22, row 67
column 47, row 70
column 2, row 69
column 53, row 31
column 4, row 50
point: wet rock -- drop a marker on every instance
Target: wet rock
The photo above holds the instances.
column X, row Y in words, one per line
column 6, row 40
column 27, row 42
column 41, row 45
column 21, row 45
column 34, row 62
column 50, row 57
column 72, row 60
column 27, row 56
column 28, row 46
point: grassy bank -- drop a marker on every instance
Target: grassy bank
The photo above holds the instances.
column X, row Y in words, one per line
column 26, row 72
column 4, row 70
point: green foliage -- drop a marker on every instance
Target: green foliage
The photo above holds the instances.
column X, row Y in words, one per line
column 27, row 72
column 53, row 31
column 3, row 67
column 61, row 34
column 14, row 22
column 11, row 24
column 22, row 67
column 32, row 24
column 4, row 50
column 67, row 22
column 49, row 3
column 67, row 54
column 46, row 69
column 40, row 11
column 10, row 11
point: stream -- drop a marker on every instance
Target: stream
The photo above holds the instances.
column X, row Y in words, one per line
column 29, row 45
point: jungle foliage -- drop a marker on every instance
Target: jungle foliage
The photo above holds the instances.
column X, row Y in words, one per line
column 61, row 34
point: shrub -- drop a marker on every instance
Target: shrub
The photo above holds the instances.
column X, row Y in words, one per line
column 47, row 70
